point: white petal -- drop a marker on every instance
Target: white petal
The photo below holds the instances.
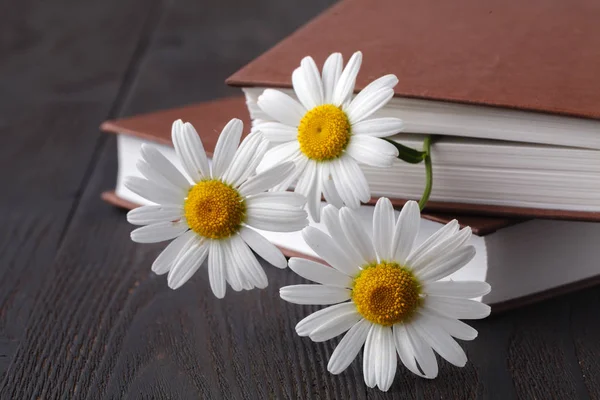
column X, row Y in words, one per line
column 164, row 167
column 363, row 107
column 440, row 250
column 329, row 191
column 331, row 219
column 464, row 289
column 313, row 197
column 410, row 346
column 332, row 69
column 406, row 231
column 370, row 356
column 266, row 199
column 383, row 228
column 350, row 178
column 357, row 235
column 276, row 132
column 307, row 178
column 314, row 294
column 348, row 348
column 313, row 79
column 227, row 144
column 318, row 318
column 342, row 185
column 280, row 154
column 319, row 273
column 335, row 326
column 253, row 164
column 307, row 83
column 168, row 256
column 241, row 166
column 300, row 162
column 385, row 82
column 440, row 341
column 152, row 192
column 302, row 89
column 454, row 327
column 147, row 215
column 155, row 177
column 328, row 250
column 309, row 185
column 263, row 247
column 281, row 107
column 345, row 85
column 424, row 353
column 405, row 349
column 216, row 269
column 190, row 150
column 378, row 127
column 457, row 308
column 232, row 274
column 444, row 232
column 385, row 364
column 248, row 264
column 372, row 151
column 187, row 265
column 159, row 232
column 267, row 179
column 445, row 266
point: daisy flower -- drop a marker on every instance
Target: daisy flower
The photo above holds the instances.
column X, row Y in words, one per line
column 327, row 133
column 211, row 216
column 386, row 293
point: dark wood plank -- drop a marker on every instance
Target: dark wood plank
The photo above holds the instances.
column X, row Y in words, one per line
column 541, row 354
column 96, row 323
column 585, row 330
column 56, row 85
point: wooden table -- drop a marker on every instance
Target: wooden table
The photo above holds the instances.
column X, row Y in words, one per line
column 82, row 316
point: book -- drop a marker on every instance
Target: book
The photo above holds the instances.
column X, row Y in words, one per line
column 524, row 261
column 515, row 71
column 489, row 177
column 209, row 118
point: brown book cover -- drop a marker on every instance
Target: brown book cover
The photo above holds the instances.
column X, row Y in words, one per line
column 210, row 117
column 536, row 55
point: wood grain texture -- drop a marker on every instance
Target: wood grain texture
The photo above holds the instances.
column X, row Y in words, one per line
column 82, row 315
column 55, row 87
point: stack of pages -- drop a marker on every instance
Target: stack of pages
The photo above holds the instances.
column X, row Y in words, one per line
column 514, row 112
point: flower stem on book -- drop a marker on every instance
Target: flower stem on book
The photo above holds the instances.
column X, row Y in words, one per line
column 413, row 156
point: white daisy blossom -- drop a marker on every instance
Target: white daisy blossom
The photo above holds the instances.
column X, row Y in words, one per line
column 327, row 133
column 386, row 293
column 211, row 212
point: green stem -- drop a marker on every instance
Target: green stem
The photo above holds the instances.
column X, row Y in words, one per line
column 428, row 172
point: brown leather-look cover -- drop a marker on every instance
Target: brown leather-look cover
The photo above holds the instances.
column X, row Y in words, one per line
column 539, row 55
column 209, row 118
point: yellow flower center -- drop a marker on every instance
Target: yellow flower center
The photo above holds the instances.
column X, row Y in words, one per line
column 324, row 132
column 386, row 293
column 214, row 209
